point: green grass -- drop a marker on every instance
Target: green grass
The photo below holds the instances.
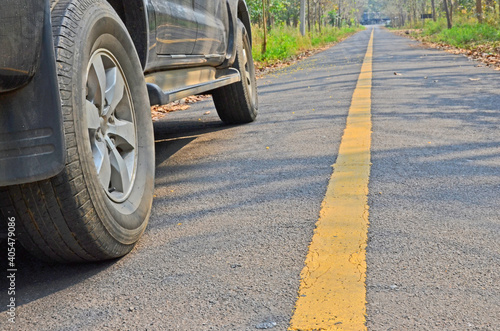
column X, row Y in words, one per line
column 285, row 42
column 432, row 28
column 465, row 33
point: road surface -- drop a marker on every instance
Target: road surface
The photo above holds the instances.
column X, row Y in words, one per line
column 236, row 207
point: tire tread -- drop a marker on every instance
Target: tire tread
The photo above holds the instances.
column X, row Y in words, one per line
column 59, row 221
column 233, row 102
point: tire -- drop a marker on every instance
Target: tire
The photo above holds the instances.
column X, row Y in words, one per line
column 238, row 103
column 99, row 206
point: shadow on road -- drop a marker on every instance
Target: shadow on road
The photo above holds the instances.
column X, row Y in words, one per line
column 37, row 279
column 172, row 135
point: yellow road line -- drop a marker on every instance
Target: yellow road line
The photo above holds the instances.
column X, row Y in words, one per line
column 332, row 293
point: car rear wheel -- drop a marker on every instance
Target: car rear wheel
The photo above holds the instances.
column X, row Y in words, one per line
column 238, row 103
column 98, row 207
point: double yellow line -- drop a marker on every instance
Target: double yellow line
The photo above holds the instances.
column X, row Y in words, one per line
column 332, row 293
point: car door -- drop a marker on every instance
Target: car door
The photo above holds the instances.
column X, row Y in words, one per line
column 212, row 18
column 176, row 27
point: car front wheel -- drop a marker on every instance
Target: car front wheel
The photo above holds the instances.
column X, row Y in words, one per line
column 98, row 207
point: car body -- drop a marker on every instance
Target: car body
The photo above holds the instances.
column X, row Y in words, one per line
column 77, row 79
column 179, row 39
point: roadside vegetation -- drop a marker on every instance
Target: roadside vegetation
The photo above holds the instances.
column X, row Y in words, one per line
column 478, row 41
column 285, row 43
column 465, row 33
column 468, row 15
column 469, row 27
column 286, row 29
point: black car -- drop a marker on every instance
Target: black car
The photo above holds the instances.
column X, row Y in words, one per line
column 77, row 79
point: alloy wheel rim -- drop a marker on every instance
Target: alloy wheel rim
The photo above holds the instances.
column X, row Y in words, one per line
column 111, row 125
column 248, row 71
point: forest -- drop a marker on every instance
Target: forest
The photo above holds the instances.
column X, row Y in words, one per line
column 319, row 13
column 284, row 28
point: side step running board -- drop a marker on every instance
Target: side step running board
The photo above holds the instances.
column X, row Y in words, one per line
column 158, row 96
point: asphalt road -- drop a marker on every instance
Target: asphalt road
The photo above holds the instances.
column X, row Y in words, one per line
column 236, row 207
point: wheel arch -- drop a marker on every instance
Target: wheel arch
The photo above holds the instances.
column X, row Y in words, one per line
column 244, row 16
column 133, row 13
column 237, row 10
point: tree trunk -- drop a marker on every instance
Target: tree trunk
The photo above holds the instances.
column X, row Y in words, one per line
column 316, row 15
column 319, row 17
column 415, row 14
column 303, row 17
column 309, row 16
column 479, row 11
column 451, row 10
column 433, row 11
column 264, row 23
column 424, row 11
column 339, row 15
column 448, row 18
